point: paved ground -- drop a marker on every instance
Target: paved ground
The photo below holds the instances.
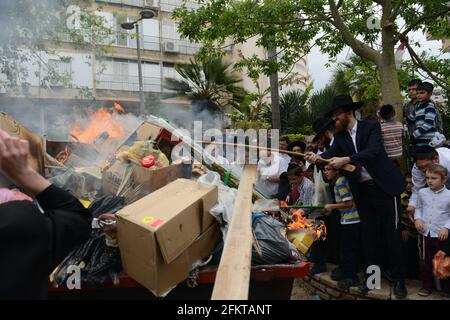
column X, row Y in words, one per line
column 322, row 285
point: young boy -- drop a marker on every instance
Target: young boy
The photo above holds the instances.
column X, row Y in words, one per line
column 432, row 220
column 409, row 233
column 425, row 117
column 350, row 231
column 392, row 132
column 302, row 189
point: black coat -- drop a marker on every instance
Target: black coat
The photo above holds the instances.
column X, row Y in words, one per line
column 32, row 243
column 371, row 155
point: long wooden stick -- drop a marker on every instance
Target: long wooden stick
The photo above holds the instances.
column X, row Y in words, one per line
column 233, row 275
column 347, row 167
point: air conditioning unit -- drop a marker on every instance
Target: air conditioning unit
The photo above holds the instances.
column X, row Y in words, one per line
column 171, row 46
column 151, row 3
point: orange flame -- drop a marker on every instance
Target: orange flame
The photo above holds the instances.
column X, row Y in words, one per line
column 299, row 221
column 100, row 121
column 118, row 107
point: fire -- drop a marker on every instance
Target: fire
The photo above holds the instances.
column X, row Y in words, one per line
column 99, row 122
column 118, row 107
column 299, row 221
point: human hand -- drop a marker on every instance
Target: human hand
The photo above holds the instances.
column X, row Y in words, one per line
column 410, row 210
column 338, row 162
column 14, row 164
column 443, row 234
column 405, row 235
column 328, row 208
column 13, row 156
column 311, row 157
column 420, row 225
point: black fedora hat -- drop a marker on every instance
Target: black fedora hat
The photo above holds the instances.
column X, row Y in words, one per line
column 321, row 125
column 343, row 101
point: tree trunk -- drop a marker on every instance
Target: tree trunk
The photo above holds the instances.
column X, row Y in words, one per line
column 274, row 93
column 94, row 74
column 390, row 87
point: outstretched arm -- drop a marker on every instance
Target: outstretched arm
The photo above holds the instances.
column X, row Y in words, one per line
column 14, row 164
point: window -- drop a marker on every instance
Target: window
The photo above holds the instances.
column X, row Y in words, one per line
column 58, row 71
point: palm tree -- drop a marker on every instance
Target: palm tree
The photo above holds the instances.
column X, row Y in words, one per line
column 211, row 79
column 293, row 109
column 211, row 85
column 320, row 102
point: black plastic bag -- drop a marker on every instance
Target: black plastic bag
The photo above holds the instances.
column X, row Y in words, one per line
column 99, row 263
column 107, row 203
column 275, row 248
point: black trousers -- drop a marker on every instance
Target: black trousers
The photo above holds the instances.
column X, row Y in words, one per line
column 411, row 256
column 350, row 243
column 377, row 211
column 321, row 251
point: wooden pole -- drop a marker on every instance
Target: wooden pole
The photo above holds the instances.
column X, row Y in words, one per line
column 233, row 275
column 348, row 167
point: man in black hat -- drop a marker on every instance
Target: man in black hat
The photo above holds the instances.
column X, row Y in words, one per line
column 376, row 189
column 324, row 251
column 324, row 128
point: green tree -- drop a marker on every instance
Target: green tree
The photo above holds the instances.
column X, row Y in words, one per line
column 320, row 101
column 293, row 27
column 30, row 28
column 212, row 79
column 294, row 111
column 254, row 111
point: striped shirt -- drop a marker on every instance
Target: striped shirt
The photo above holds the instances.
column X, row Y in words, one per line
column 392, row 138
column 342, row 193
column 424, row 118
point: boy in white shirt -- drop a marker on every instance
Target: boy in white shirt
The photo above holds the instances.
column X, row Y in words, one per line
column 432, row 220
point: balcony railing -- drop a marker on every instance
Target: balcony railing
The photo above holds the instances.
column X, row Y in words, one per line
column 133, row 3
column 170, row 5
column 128, row 83
column 169, row 45
column 166, row 5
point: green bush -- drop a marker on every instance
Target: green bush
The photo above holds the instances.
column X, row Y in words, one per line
column 295, row 137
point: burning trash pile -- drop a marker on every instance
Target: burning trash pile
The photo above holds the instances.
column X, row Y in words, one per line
column 154, row 217
column 301, row 231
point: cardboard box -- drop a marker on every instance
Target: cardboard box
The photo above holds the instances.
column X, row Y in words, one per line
column 162, row 234
column 153, row 273
column 151, row 180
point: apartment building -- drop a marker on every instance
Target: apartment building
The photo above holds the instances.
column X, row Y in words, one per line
column 114, row 75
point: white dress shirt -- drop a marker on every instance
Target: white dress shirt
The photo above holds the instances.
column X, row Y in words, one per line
column 433, row 208
column 285, row 159
column 269, row 168
column 364, row 174
column 418, row 177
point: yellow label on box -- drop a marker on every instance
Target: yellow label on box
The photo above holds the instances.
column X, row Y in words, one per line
column 148, row 219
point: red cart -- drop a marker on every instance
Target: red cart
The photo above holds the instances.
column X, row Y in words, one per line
column 266, row 282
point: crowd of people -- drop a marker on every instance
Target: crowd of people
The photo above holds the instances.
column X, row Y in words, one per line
column 375, row 215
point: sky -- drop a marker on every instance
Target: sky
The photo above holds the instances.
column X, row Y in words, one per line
column 321, row 75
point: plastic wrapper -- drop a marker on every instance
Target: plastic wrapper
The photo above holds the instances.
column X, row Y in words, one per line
column 441, row 265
